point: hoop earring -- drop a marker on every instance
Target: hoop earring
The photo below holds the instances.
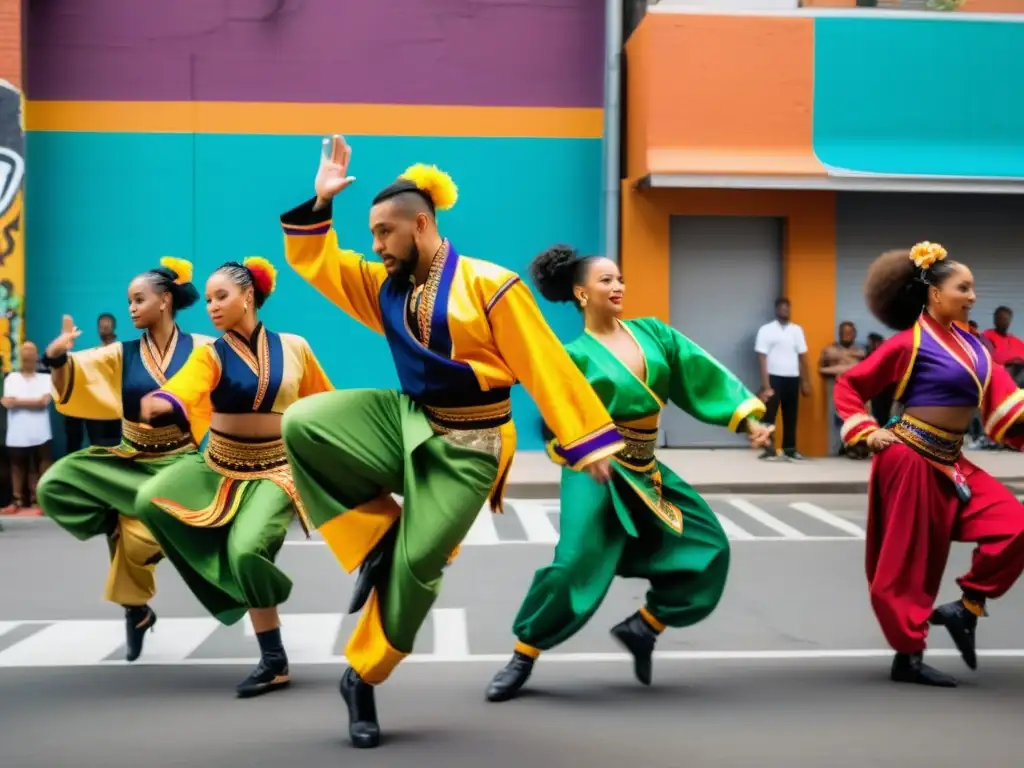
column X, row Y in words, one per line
column 245, row 307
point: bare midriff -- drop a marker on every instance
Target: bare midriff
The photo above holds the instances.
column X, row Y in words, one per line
column 950, row 418
column 258, row 425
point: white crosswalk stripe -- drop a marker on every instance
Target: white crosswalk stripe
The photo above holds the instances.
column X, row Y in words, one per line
column 536, row 522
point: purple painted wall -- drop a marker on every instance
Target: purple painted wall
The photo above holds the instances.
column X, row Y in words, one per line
column 537, row 53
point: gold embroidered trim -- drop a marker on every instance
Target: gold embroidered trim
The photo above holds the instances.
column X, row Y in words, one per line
column 264, row 460
column 640, row 445
column 155, row 363
column 425, row 306
column 244, row 459
column 259, row 364
column 931, row 442
column 487, row 440
column 154, row 439
column 470, row 413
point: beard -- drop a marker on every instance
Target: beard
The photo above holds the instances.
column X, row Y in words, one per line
column 407, row 263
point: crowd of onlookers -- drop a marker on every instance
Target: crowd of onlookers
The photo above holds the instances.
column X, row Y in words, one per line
column 28, row 426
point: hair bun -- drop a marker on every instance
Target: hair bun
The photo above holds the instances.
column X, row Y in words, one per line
column 553, row 271
column 435, row 183
column 181, row 268
column 264, row 275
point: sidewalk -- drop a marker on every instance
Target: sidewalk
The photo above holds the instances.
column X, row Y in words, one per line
column 534, row 476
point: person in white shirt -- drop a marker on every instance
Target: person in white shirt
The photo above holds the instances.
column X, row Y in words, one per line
column 782, row 351
column 27, row 400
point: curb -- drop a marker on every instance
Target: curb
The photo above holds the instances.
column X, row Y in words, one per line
column 855, row 487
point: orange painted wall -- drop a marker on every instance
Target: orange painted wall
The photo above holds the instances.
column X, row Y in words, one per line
column 10, row 41
column 809, row 266
column 971, row 6
column 677, row 121
column 721, row 94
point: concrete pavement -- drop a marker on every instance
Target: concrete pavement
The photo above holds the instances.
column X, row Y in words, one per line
column 791, row 669
column 732, row 470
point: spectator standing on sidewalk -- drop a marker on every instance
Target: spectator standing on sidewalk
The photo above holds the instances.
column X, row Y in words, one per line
column 27, row 400
column 837, row 359
column 782, row 350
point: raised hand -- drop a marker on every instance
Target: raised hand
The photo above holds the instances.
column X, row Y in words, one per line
column 332, row 177
column 63, row 343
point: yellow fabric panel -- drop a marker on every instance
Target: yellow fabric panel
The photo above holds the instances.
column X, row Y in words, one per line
column 344, row 277
column 92, row 384
column 192, row 385
column 302, row 372
column 566, row 401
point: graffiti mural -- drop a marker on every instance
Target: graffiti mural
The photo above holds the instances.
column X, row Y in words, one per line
column 12, row 230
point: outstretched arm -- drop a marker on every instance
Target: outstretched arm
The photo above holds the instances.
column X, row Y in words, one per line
column 570, row 407
column 344, row 277
column 1003, row 408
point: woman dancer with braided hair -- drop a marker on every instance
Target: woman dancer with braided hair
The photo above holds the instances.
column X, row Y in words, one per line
column 222, row 517
column 923, row 493
column 647, row 522
column 91, row 492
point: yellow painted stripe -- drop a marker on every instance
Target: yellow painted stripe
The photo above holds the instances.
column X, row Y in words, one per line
column 313, row 119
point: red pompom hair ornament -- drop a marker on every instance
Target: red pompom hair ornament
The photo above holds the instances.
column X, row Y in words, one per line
column 264, row 276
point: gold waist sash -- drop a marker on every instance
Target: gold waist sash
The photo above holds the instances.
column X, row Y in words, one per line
column 641, row 438
column 245, row 458
column 940, row 448
column 238, row 460
column 931, row 442
column 142, row 438
column 479, row 428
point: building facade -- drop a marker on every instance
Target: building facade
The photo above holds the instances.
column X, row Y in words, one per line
column 778, row 152
column 187, row 128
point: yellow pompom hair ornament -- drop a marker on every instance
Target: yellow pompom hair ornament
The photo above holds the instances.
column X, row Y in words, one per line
column 925, row 254
column 180, row 267
column 263, row 272
column 434, row 182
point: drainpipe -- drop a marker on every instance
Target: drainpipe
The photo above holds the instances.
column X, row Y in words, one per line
column 612, row 116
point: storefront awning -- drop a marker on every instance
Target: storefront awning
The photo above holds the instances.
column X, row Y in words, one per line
column 787, row 101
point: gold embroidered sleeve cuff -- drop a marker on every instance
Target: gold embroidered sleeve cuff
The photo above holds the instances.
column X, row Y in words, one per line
column 595, row 447
column 750, row 407
column 1005, row 415
column 856, row 428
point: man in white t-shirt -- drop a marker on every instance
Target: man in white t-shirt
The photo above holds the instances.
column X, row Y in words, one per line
column 27, row 400
column 782, row 351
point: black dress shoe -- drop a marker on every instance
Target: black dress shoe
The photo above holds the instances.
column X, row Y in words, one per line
column 910, row 668
column 363, row 728
column 270, row 674
column 510, row 678
column 637, row 637
column 374, row 570
column 137, row 622
column 961, row 625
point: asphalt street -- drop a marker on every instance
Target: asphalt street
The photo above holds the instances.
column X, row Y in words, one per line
column 791, row 669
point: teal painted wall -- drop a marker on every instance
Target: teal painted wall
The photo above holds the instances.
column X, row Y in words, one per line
column 104, row 207
column 920, row 96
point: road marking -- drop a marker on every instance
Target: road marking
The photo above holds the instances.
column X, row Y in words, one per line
column 176, row 639
column 451, row 636
column 482, row 532
column 305, row 635
column 555, row 657
column 66, row 644
column 765, row 519
column 732, row 531
column 534, row 518
column 7, row 626
column 825, row 516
